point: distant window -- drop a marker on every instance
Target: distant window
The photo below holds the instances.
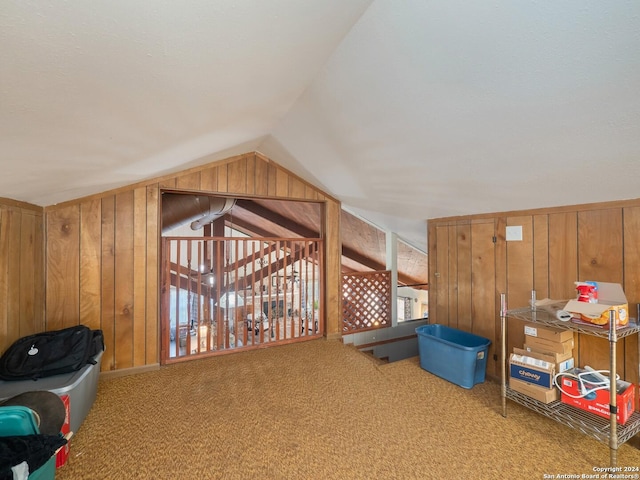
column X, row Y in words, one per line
column 404, row 309
column 400, row 309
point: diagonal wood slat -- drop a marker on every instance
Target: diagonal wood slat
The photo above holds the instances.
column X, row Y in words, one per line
column 366, row 301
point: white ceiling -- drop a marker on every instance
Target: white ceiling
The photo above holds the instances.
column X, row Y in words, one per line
column 404, row 110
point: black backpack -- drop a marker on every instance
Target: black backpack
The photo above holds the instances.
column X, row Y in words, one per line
column 51, row 353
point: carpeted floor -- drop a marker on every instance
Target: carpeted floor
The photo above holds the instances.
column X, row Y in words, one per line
column 319, row 410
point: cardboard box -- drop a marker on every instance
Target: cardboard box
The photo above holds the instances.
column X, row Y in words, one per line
column 548, row 333
column 63, row 453
column 558, row 357
column 598, row 401
column 561, row 365
column 531, row 370
column 543, row 345
column 610, row 297
column 544, row 395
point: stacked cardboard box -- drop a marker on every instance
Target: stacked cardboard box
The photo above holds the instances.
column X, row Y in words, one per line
column 546, row 351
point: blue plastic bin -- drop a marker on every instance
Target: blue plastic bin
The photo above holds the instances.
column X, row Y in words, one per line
column 455, row 355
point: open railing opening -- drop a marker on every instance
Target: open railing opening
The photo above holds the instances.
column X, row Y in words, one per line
column 222, row 294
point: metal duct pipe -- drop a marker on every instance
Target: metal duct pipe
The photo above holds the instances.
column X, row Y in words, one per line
column 180, row 209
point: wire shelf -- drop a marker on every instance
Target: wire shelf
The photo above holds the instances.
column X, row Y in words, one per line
column 587, row 423
column 605, row 430
column 538, row 315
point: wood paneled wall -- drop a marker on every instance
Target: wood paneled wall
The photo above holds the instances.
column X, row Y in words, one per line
column 102, row 253
column 21, row 271
column 471, row 264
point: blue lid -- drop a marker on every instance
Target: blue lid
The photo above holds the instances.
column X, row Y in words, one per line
column 17, row 420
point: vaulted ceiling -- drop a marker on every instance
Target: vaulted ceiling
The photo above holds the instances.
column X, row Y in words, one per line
column 404, row 111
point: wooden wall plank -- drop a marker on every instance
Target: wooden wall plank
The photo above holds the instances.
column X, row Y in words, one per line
column 310, row 193
column 499, row 225
column 519, row 275
column 123, row 280
column 483, row 283
column 272, row 173
column 63, row 269
column 452, row 278
column 563, row 254
column 9, row 330
column 152, row 337
column 22, row 282
column 251, row 175
column 208, row 179
column 464, row 276
column 541, row 255
column 261, row 177
column 189, row 181
column 38, row 272
column 332, row 273
column 223, row 185
column 520, row 263
column 600, row 245
column 140, row 275
column 237, row 176
column 563, row 260
column 26, row 281
column 90, row 263
column 168, row 183
column 296, row 188
column 600, row 259
column 632, row 258
column 282, row 183
column 432, row 248
column 441, row 284
column 13, row 266
column 631, row 217
column 107, row 282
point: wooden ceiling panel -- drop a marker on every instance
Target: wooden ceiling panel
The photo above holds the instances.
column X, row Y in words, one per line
column 363, row 245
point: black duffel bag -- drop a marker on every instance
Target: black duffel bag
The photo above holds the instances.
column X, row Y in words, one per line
column 51, row 353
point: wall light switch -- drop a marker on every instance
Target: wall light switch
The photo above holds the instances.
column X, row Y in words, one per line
column 514, row 233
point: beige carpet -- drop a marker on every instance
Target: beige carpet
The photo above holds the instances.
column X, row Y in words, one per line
column 318, row 410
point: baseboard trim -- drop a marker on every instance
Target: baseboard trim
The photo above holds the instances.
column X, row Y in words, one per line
column 385, row 341
column 125, row 372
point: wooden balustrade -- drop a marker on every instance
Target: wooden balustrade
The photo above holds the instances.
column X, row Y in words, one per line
column 223, row 294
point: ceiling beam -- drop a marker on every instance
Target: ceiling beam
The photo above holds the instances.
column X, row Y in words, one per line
column 276, row 218
column 263, row 212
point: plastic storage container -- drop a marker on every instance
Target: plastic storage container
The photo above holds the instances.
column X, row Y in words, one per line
column 81, row 386
column 17, row 420
column 455, row 355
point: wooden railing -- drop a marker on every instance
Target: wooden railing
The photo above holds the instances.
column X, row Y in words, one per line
column 366, row 301
column 221, row 294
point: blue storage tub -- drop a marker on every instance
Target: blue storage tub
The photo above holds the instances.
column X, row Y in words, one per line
column 455, row 355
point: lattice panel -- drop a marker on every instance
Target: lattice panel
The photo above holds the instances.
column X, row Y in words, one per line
column 366, row 301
